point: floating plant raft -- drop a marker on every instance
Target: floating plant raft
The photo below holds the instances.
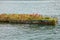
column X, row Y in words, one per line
column 27, row 19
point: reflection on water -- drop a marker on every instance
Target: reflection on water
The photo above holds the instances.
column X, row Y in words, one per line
column 28, row 32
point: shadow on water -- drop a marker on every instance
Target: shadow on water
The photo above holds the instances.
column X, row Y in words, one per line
column 33, row 26
column 44, row 27
column 36, row 26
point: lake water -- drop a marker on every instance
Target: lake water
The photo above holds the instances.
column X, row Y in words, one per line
column 26, row 31
column 29, row 32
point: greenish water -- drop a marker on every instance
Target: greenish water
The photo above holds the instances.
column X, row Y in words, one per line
column 29, row 32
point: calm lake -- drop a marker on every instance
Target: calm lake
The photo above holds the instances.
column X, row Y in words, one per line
column 26, row 31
